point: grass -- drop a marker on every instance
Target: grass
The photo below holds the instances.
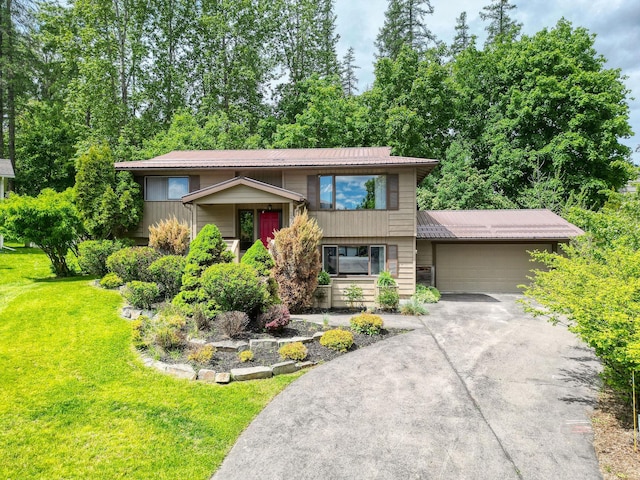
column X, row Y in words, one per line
column 76, row 402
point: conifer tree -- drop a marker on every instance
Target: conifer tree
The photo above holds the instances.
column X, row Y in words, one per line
column 347, row 73
column 404, row 24
column 501, row 26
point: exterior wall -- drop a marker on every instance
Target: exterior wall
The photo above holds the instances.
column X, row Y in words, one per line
column 354, row 223
column 225, row 217
column 406, row 269
column 424, row 253
column 153, row 212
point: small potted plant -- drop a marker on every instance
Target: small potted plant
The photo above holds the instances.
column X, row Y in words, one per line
column 322, row 294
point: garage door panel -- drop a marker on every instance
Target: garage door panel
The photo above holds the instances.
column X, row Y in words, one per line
column 496, row 268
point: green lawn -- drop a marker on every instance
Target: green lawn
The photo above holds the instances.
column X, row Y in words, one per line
column 75, row 401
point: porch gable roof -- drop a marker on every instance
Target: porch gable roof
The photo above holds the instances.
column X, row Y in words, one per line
column 243, row 181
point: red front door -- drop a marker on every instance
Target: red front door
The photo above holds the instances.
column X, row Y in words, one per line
column 268, row 221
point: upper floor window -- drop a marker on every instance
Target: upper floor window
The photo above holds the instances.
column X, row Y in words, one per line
column 166, row 188
column 353, row 192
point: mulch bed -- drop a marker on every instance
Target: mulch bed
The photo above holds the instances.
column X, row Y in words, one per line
column 225, row 361
column 613, row 438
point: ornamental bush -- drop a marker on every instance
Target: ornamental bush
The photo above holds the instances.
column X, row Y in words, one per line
column 201, row 354
column 232, row 324
column 413, row 307
column 293, row 351
column 388, row 298
column 167, row 273
column 234, row 287
column 111, row 280
column 324, row 278
column 141, row 294
column 339, row 340
column 274, row 319
column 259, row 258
column 366, row 323
column 93, row 254
column 385, row 280
column 133, row 263
column 245, row 356
column 168, row 329
column 169, row 237
column 426, row 294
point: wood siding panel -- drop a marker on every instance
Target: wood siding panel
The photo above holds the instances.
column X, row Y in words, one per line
column 424, row 255
column 209, row 177
column 272, row 177
column 241, row 194
column 220, row 215
column 156, row 211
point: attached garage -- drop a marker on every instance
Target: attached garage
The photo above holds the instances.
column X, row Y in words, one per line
column 485, row 251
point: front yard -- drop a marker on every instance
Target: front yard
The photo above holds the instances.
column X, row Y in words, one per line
column 76, row 402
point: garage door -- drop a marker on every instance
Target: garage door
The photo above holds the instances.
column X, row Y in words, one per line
column 491, row 268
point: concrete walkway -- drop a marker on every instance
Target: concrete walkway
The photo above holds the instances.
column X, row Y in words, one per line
column 478, row 391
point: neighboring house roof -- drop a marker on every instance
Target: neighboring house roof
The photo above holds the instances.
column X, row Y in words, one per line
column 6, row 169
column 279, row 159
column 249, row 182
column 494, row 225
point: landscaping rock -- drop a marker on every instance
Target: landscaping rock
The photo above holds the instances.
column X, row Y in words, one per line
column 181, row 370
column 230, row 346
column 284, row 341
column 317, row 336
column 284, row 367
column 257, row 343
column 251, row 373
column 196, row 342
column 223, row 377
column 126, row 312
column 207, row 375
column 306, row 364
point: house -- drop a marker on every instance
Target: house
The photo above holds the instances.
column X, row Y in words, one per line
column 6, row 172
column 364, row 199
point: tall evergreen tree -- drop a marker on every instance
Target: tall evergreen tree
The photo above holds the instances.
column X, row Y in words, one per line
column 501, row 26
column 347, row 73
column 404, row 24
column 326, row 39
column 463, row 38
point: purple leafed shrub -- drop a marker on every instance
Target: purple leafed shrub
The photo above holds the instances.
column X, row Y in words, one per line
column 275, row 318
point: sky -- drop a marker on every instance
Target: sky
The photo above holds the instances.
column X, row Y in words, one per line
column 616, row 24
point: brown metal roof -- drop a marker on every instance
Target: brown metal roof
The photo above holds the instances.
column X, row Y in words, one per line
column 249, row 182
column 277, row 159
column 494, row 225
column 6, row 169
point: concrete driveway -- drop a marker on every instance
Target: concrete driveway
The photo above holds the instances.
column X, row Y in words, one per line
column 478, row 391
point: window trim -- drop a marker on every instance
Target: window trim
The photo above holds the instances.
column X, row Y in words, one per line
column 313, row 192
column 166, row 187
column 369, row 246
column 334, row 192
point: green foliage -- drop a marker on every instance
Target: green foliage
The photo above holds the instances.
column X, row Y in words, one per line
column 259, row 258
column 245, row 356
column 413, row 307
column 108, row 204
column 50, row 221
column 132, row 263
column 385, row 280
column 111, row 280
column 426, row 294
column 293, row 351
column 594, row 285
column 201, row 354
column 168, row 329
column 340, row 340
column 296, row 253
column 141, row 294
column 405, row 25
column 167, row 272
column 93, row 254
column 169, row 237
column 232, row 324
column 366, row 323
column 388, row 298
column 354, row 295
column 234, row 287
column 324, row 278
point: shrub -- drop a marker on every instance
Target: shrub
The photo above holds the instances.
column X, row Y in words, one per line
column 340, row 340
column 293, row 351
column 413, row 307
column 388, row 298
column 427, row 294
column 245, row 356
column 232, row 324
column 132, row 263
column 169, row 237
column 296, row 254
column 259, row 258
column 111, row 280
column 234, row 287
column 385, row 280
column 275, row 318
column 169, row 328
column 200, row 318
column 93, row 254
column 141, row 294
column 354, row 295
column 324, row 278
column 167, row 273
column 367, row 323
column 201, row 354
column 138, row 331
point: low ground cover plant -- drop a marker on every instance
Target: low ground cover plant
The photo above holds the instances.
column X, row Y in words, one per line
column 337, row 339
column 413, row 307
column 201, row 354
column 293, row 351
column 367, row 323
column 245, row 356
column 427, row 294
